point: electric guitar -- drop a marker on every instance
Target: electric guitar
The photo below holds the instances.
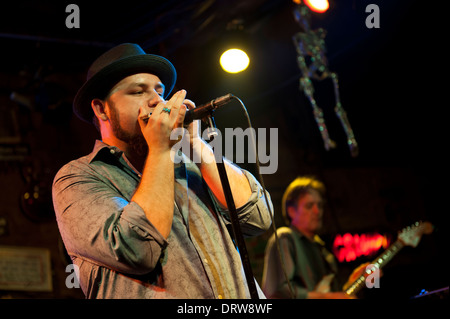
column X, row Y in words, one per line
column 409, row 236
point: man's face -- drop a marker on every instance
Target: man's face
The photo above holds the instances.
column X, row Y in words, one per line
column 124, row 101
column 307, row 214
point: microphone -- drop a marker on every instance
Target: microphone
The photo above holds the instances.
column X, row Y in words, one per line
column 204, row 110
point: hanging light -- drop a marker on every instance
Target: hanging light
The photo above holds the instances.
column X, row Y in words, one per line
column 234, row 47
column 234, row 60
column 319, row 6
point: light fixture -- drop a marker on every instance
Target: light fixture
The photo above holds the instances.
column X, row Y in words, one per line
column 319, row 6
column 234, row 60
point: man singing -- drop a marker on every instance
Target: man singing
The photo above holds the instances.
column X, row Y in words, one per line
column 136, row 222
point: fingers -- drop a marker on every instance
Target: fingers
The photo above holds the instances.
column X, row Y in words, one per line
column 194, row 127
column 167, row 112
column 143, row 117
column 174, row 104
column 177, row 108
column 190, row 105
column 172, row 107
column 180, row 117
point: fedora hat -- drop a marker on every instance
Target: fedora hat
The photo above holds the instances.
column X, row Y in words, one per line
column 114, row 65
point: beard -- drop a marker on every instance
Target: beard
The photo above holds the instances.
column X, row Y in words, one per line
column 136, row 141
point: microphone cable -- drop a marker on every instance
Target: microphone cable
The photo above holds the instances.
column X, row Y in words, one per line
column 253, row 141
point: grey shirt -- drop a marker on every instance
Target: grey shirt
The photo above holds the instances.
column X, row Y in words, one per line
column 120, row 254
column 306, row 263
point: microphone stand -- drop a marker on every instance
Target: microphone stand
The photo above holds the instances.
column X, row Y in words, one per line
column 238, row 237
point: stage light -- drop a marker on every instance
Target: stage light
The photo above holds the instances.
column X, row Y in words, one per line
column 318, row 5
column 234, row 60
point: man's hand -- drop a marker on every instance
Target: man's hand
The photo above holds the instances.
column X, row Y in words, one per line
column 160, row 124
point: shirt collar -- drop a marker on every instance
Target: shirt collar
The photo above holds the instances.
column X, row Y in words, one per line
column 317, row 238
column 297, row 231
column 101, row 147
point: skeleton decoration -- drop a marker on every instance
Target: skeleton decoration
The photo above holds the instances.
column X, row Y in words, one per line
column 313, row 64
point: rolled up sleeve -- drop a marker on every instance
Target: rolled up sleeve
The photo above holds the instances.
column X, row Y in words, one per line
column 99, row 224
column 254, row 216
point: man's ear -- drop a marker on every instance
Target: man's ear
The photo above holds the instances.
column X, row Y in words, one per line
column 98, row 106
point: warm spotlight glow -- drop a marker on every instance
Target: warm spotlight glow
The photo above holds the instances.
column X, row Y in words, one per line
column 234, row 61
column 318, row 5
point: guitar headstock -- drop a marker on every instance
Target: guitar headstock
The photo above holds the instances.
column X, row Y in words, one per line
column 411, row 235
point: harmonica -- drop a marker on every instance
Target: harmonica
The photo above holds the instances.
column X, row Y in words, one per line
column 145, row 117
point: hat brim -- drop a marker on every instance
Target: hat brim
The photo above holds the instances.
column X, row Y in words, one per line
column 101, row 83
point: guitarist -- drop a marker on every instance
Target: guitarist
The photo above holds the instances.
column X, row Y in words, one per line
column 307, row 263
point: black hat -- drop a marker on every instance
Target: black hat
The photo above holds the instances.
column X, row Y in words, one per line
column 114, row 65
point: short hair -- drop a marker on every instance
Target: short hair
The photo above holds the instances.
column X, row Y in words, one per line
column 296, row 189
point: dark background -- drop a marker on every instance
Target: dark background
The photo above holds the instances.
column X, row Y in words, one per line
column 389, row 80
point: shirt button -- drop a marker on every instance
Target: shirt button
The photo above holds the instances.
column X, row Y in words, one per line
column 205, row 260
column 220, row 296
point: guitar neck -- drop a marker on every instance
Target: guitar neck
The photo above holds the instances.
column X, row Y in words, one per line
column 378, row 262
